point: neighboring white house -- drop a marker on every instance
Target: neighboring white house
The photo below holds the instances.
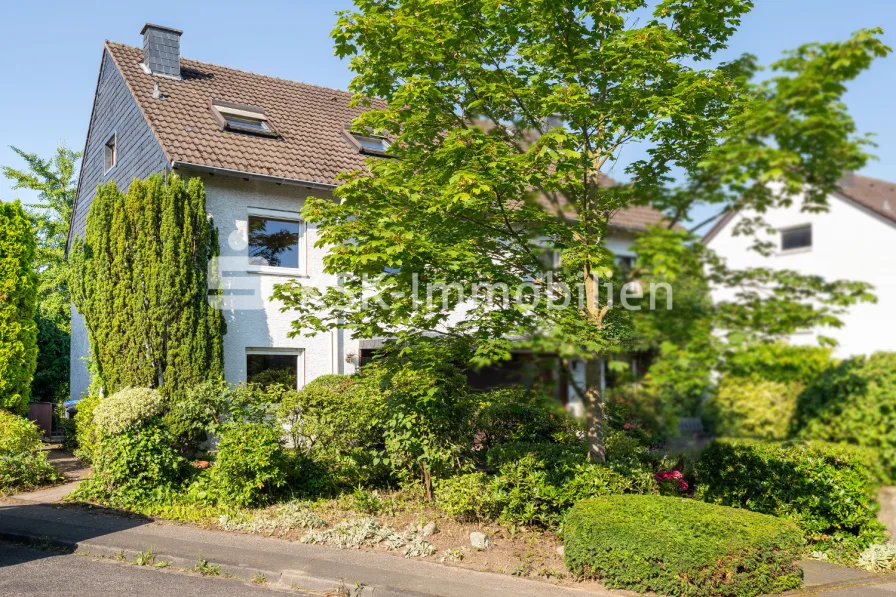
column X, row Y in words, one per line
column 854, row 240
column 260, row 145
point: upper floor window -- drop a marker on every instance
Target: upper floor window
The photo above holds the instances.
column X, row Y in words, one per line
column 275, row 241
column 110, row 154
column 242, row 118
column 798, row 237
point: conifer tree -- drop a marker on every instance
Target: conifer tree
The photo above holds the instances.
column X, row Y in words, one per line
column 18, row 300
column 140, row 279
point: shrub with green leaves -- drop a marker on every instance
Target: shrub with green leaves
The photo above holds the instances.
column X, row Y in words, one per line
column 18, row 301
column 127, row 408
column 513, row 415
column 138, row 466
column 533, row 490
column 22, row 463
column 86, row 433
column 192, row 418
column 752, row 407
column 853, row 402
column 336, row 421
column 676, row 546
column 251, row 466
column 777, row 362
column 428, row 414
column 828, row 490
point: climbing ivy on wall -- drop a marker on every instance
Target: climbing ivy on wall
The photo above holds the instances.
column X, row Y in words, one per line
column 140, row 280
column 18, row 300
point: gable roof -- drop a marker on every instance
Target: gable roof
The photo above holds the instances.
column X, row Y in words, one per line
column 874, row 194
column 311, row 120
column 877, row 195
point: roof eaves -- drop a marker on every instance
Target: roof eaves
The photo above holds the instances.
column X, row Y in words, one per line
column 139, row 104
column 251, row 175
column 96, row 93
column 717, row 227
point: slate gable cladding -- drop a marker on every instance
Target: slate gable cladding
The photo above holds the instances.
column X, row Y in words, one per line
column 139, row 153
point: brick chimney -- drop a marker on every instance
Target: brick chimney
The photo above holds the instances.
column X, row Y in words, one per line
column 161, row 50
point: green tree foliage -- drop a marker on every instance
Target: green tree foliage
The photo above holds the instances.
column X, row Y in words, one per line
column 777, row 361
column 505, row 118
column 140, row 279
column 55, row 182
column 853, row 402
column 18, row 300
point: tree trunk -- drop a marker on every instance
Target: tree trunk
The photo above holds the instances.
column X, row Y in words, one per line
column 593, row 397
column 594, row 411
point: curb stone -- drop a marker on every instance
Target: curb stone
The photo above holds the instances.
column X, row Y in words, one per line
column 284, row 579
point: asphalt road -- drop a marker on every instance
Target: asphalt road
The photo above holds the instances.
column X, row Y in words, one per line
column 25, row 571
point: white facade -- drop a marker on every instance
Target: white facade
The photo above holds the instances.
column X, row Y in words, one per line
column 255, row 324
column 849, row 242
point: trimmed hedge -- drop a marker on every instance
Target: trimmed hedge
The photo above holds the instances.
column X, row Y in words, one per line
column 853, row 402
column 828, row 490
column 676, row 546
column 752, row 407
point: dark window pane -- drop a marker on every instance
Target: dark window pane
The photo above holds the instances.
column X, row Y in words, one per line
column 269, row 369
column 246, row 122
column 273, row 242
column 796, row 238
column 373, row 143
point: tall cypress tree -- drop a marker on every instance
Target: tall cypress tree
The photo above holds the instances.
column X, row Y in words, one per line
column 18, row 300
column 140, row 279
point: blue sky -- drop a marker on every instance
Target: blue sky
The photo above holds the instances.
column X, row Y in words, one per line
column 50, row 56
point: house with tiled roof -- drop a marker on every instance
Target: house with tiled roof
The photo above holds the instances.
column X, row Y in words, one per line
column 261, row 145
column 853, row 240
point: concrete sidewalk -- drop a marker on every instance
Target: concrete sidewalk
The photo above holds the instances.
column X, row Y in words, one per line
column 323, row 569
column 294, row 565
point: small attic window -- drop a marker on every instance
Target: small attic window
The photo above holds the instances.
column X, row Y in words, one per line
column 372, row 144
column 110, row 155
column 242, row 118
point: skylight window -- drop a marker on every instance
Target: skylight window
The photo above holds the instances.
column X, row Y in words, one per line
column 372, row 144
column 242, row 118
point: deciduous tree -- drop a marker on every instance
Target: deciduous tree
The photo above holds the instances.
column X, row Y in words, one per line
column 505, row 119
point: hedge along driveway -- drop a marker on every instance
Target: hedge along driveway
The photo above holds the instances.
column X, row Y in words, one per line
column 677, row 546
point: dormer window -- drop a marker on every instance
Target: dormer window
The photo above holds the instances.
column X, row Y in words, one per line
column 242, row 118
column 372, row 144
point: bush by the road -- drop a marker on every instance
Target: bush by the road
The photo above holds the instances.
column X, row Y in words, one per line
column 751, row 407
column 828, row 490
column 676, row 546
column 853, row 402
column 22, row 463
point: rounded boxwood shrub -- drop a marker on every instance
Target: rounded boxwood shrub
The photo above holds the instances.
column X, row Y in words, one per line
column 752, row 407
column 853, row 402
column 127, row 408
column 828, row 490
column 677, row 546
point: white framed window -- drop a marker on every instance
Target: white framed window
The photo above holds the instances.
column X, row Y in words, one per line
column 110, row 154
column 268, row 366
column 276, row 242
column 796, row 238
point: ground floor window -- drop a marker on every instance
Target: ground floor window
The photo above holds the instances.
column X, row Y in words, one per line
column 266, row 369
